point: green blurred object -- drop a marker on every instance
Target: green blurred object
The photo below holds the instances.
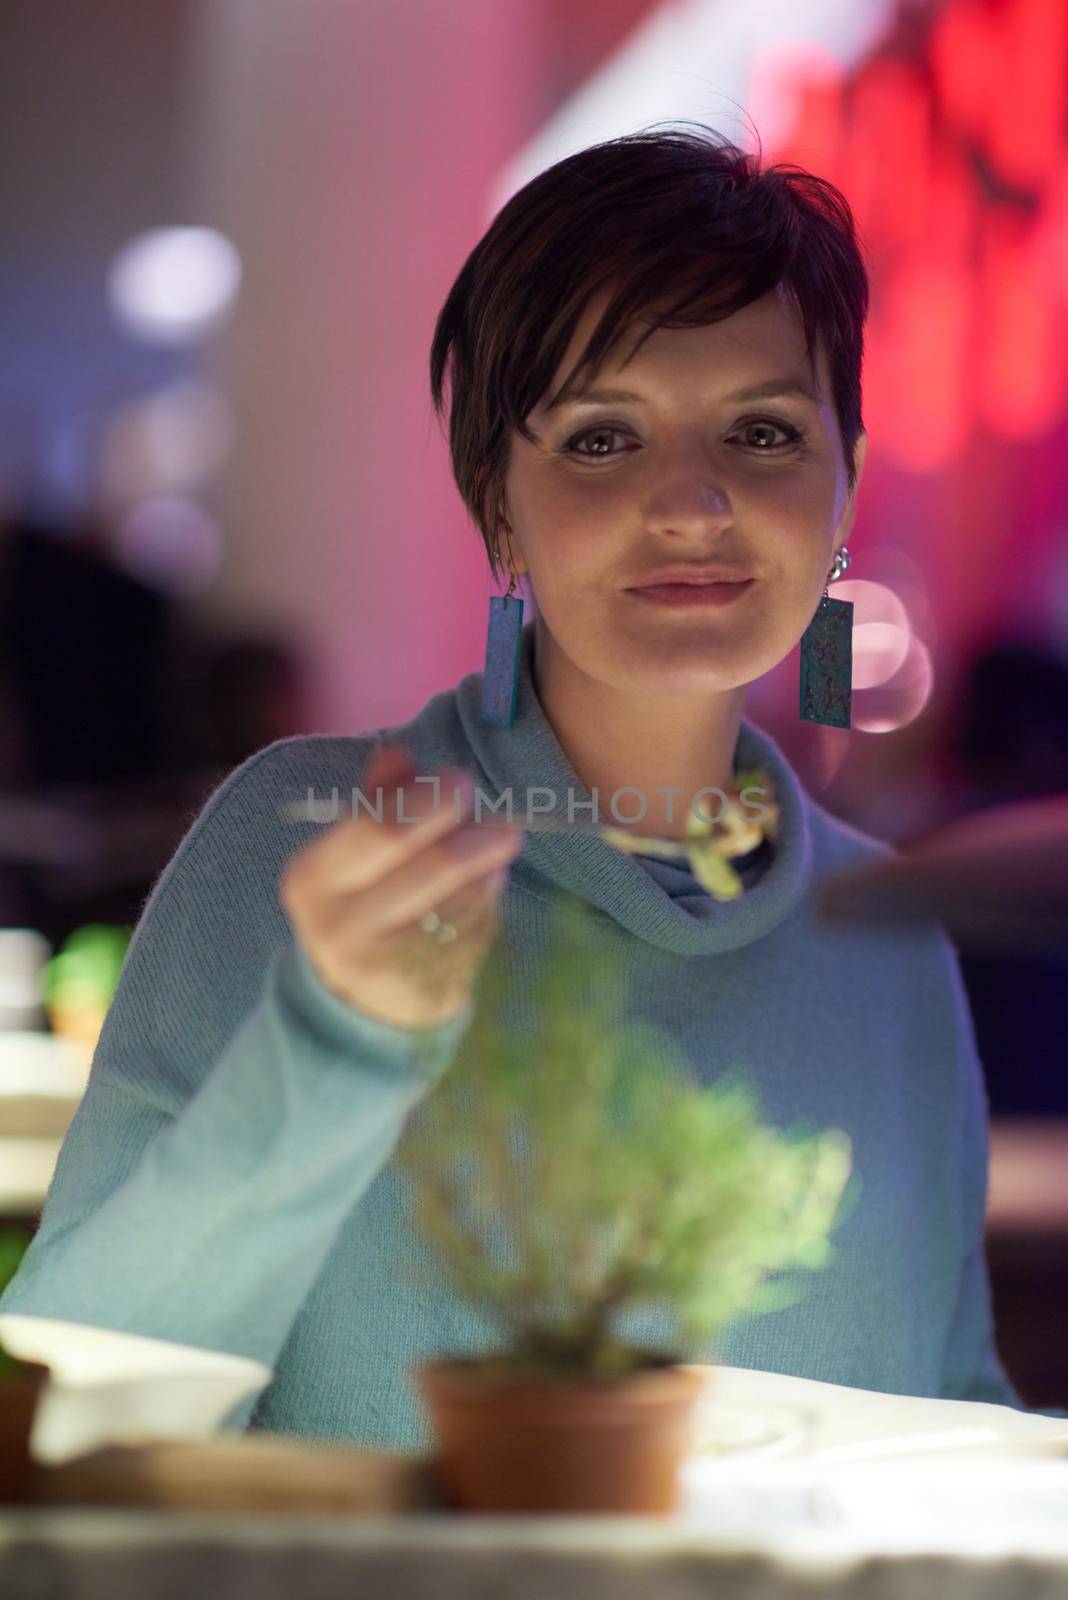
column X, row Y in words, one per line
column 85, row 971
column 13, row 1245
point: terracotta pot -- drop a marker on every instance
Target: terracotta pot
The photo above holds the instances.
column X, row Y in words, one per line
column 506, row 1443
column 19, row 1394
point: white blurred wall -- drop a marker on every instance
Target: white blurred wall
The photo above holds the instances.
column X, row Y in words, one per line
column 348, row 147
column 92, row 150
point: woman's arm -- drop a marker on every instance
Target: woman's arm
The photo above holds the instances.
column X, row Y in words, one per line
column 236, row 1109
column 973, row 1369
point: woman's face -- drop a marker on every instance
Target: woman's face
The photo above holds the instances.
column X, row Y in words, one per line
column 682, row 473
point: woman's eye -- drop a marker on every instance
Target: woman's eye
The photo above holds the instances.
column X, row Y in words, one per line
column 766, row 426
column 793, row 435
column 591, row 433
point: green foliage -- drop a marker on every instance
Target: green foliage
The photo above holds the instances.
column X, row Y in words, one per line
column 13, row 1243
column 86, row 970
column 569, row 1176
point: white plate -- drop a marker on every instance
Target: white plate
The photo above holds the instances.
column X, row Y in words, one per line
column 733, row 1430
column 109, row 1388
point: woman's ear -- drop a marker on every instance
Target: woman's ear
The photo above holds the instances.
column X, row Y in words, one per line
column 849, row 510
column 859, row 456
column 515, row 561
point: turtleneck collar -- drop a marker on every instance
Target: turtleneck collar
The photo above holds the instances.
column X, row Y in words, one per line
column 527, row 756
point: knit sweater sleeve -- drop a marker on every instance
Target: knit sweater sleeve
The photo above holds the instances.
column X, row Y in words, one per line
column 236, row 1110
column 972, row 1368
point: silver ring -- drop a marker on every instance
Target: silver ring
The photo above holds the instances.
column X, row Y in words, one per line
column 432, row 924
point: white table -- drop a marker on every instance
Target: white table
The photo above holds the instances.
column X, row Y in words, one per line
column 98, row 1555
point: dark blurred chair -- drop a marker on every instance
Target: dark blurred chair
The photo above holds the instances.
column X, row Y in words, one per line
column 118, row 719
column 1012, row 744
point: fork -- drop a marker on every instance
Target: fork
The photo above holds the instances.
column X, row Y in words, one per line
column 632, row 844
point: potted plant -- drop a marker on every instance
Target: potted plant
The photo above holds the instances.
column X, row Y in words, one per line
column 609, row 1216
column 21, row 1384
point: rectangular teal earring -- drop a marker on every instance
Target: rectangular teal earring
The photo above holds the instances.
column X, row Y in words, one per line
column 504, row 637
column 827, row 658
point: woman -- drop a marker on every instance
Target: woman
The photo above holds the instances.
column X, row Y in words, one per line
column 227, row 1181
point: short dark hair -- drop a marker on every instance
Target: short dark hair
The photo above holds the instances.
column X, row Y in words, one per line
column 651, row 213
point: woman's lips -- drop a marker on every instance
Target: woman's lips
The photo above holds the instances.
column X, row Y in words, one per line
column 692, row 594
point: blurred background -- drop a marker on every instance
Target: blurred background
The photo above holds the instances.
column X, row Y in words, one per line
column 229, row 226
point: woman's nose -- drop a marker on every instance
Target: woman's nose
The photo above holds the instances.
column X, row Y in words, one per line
column 689, row 496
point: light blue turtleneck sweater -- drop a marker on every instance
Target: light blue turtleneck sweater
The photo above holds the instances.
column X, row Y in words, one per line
column 227, row 1181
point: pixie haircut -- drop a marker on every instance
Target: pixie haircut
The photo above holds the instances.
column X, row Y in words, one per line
column 648, row 215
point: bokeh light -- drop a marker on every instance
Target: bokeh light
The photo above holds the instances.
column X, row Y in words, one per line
column 898, row 701
column 173, row 285
column 168, row 442
column 171, row 543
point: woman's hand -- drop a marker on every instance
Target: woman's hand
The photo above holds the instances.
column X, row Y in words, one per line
column 354, row 896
